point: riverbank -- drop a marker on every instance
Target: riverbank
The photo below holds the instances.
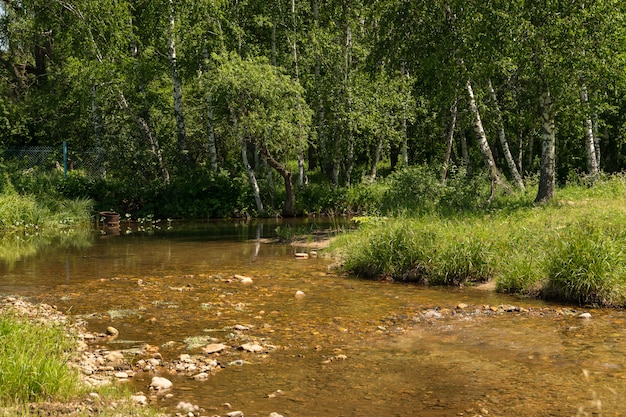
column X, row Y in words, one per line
column 569, row 250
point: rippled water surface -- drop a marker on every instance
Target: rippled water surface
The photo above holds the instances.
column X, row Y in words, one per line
column 349, row 347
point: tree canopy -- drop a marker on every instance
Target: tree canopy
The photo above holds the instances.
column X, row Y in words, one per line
column 336, row 92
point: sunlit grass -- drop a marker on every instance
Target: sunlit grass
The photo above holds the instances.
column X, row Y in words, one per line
column 571, row 249
column 33, row 362
column 36, row 377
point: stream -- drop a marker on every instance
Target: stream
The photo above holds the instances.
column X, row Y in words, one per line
column 337, row 345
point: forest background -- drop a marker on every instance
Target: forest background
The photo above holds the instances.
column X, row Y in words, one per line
column 214, row 108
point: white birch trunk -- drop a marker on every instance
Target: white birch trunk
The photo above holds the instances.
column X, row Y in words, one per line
column 375, row 159
column 547, row 176
column 596, row 139
column 483, row 144
column 294, row 48
column 504, row 142
column 449, row 140
column 246, row 164
column 404, row 149
column 210, row 120
column 590, row 151
column 181, row 132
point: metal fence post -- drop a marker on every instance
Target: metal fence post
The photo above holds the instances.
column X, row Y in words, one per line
column 64, row 159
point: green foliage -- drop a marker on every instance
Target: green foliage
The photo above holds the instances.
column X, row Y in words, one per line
column 418, row 189
column 201, row 195
column 33, row 361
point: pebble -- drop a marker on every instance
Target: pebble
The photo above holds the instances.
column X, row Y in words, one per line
column 160, row 383
column 275, row 415
column 139, row 399
column 112, row 331
column 243, row 279
column 186, row 407
column 252, row 347
column 299, row 294
column 585, row 316
column 214, row 348
column 121, row 375
column 235, row 414
column 115, row 357
column 302, row 255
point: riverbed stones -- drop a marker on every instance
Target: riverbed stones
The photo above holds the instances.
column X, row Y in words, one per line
column 235, row 414
column 214, row 348
column 139, row 399
column 244, row 279
column 159, row 383
column 112, row 331
column 252, row 347
column 114, row 358
column 187, row 407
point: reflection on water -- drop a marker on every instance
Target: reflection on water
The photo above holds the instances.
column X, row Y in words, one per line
column 347, row 348
column 14, row 247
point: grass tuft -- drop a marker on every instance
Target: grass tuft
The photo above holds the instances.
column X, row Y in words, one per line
column 33, row 361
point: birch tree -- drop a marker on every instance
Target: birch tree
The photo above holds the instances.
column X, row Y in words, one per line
column 269, row 110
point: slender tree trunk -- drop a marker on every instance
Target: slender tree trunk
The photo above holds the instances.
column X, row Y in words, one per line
column 596, row 140
column 211, row 133
column 404, row 149
column 349, row 134
column 246, row 164
column 181, row 132
column 590, row 151
column 98, row 127
column 483, row 144
column 449, row 139
column 148, row 137
column 531, row 149
column 320, row 125
column 547, row 176
column 504, row 142
column 290, row 196
column 294, row 49
column 520, row 152
column 377, row 152
column 467, row 163
column 210, row 119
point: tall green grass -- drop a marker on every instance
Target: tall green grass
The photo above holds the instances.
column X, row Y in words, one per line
column 573, row 249
column 33, row 361
column 36, row 378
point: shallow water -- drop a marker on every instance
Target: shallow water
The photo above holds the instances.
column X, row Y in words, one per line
column 349, row 347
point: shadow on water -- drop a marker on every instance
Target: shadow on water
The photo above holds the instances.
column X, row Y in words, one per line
column 348, row 347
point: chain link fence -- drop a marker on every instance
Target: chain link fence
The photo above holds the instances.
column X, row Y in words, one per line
column 60, row 158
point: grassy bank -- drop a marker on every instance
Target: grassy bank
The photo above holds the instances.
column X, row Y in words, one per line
column 29, row 224
column 570, row 250
column 36, row 377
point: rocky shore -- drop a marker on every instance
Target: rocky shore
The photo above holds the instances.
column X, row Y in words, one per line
column 99, row 367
